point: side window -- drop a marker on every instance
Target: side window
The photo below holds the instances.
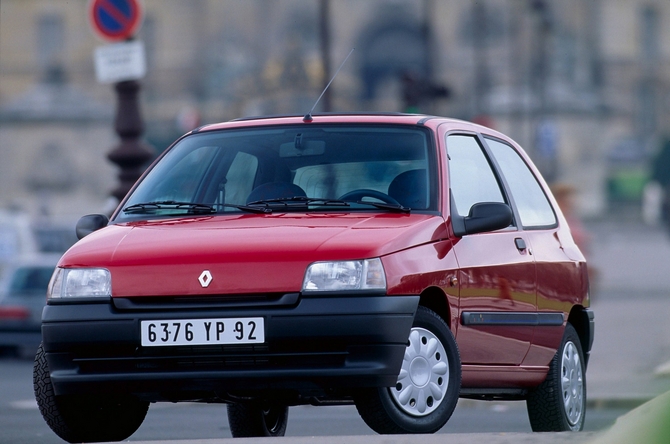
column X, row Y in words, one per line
column 470, row 175
column 533, row 206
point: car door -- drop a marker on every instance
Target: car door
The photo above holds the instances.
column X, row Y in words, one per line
column 496, row 269
column 561, row 270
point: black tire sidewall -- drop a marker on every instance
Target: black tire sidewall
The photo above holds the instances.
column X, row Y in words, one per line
column 434, row 421
column 82, row 418
column 249, row 420
column 571, row 336
column 46, row 399
column 546, row 410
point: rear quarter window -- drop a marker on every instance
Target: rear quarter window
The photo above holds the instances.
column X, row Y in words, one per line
column 534, row 208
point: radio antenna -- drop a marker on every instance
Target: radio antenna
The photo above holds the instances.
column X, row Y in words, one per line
column 308, row 116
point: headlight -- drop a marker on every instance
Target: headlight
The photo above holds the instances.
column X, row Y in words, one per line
column 345, row 276
column 80, row 283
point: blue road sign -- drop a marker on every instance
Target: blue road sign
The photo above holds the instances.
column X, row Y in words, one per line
column 115, row 20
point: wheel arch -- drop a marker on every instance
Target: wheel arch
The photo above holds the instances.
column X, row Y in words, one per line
column 582, row 320
column 436, row 300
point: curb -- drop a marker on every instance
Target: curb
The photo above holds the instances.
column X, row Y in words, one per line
column 663, row 370
column 645, row 424
column 621, row 403
column 616, row 403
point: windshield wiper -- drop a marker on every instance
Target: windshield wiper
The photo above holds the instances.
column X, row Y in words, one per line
column 302, row 201
column 297, row 201
column 170, row 204
column 198, row 208
column 385, row 206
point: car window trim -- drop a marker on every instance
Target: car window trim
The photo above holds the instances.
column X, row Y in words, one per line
column 456, row 218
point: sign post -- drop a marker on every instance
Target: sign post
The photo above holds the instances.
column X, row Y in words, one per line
column 123, row 63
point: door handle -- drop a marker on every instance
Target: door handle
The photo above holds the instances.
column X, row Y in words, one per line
column 520, row 244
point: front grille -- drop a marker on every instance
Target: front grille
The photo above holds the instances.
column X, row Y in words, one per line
column 216, row 357
column 206, row 302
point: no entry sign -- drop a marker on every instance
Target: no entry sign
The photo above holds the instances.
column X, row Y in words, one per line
column 115, row 20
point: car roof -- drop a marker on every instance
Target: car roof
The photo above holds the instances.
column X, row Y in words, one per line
column 346, row 118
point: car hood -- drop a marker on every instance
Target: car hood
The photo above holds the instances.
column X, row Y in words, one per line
column 243, row 254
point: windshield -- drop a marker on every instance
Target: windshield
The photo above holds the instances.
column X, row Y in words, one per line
column 291, row 168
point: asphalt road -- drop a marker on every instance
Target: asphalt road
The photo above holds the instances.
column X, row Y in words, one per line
column 21, row 422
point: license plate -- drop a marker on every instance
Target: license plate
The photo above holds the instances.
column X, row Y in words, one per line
column 202, row 331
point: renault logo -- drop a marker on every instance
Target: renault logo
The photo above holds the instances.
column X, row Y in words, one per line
column 205, row 278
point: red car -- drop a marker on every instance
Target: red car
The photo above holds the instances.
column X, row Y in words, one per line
column 397, row 262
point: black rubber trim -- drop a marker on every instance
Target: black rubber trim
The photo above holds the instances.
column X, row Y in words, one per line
column 492, row 394
column 191, row 302
column 425, row 119
column 592, row 328
column 490, row 318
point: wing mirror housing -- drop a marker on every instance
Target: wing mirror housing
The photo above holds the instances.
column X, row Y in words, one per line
column 90, row 223
column 484, row 217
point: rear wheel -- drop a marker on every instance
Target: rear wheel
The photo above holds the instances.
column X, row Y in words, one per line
column 559, row 403
column 255, row 419
column 428, row 386
column 85, row 418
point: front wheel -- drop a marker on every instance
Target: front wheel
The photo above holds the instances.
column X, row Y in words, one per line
column 255, row 419
column 85, row 418
column 559, row 403
column 428, row 386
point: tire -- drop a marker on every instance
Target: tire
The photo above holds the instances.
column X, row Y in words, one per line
column 85, row 418
column 428, row 385
column 559, row 403
column 253, row 420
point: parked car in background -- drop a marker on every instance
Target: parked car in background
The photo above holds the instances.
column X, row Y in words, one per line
column 396, row 262
column 23, row 287
column 16, row 237
column 54, row 237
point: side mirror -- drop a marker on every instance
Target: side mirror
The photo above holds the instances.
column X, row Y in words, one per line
column 487, row 216
column 90, row 223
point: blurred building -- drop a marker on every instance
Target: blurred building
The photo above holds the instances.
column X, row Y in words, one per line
column 584, row 86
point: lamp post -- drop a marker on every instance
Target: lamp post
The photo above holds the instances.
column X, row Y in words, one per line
column 324, row 25
column 131, row 154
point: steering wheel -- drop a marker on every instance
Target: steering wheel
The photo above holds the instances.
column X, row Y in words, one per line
column 357, row 195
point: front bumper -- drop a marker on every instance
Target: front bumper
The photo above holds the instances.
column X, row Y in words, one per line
column 317, row 345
